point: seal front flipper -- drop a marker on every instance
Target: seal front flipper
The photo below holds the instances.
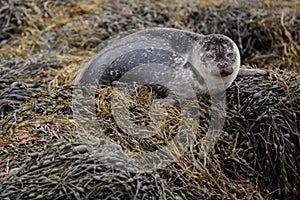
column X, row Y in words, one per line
column 247, row 72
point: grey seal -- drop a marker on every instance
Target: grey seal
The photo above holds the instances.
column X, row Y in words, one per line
column 159, row 52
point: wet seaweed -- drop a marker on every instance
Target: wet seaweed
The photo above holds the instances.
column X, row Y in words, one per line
column 265, row 132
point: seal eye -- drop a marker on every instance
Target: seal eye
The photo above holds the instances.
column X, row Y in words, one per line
column 230, row 55
column 208, row 57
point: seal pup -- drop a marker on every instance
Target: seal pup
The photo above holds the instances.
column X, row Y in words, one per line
column 167, row 53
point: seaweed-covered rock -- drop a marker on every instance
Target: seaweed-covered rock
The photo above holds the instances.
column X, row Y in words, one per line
column 263, row 127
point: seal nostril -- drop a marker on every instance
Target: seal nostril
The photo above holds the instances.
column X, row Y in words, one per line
column 222, row 65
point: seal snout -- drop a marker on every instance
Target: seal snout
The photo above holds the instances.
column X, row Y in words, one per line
column 225, row 69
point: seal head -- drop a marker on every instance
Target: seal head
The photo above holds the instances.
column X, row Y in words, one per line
column 216, row 59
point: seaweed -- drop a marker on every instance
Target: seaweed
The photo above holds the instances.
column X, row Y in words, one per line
column 43, row 44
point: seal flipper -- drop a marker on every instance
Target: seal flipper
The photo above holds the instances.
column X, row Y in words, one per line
column 247, row 72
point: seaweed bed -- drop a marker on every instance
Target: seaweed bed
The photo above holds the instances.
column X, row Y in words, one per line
column 43, row 44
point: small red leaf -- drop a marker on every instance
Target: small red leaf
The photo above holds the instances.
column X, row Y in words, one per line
column 25, row 138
